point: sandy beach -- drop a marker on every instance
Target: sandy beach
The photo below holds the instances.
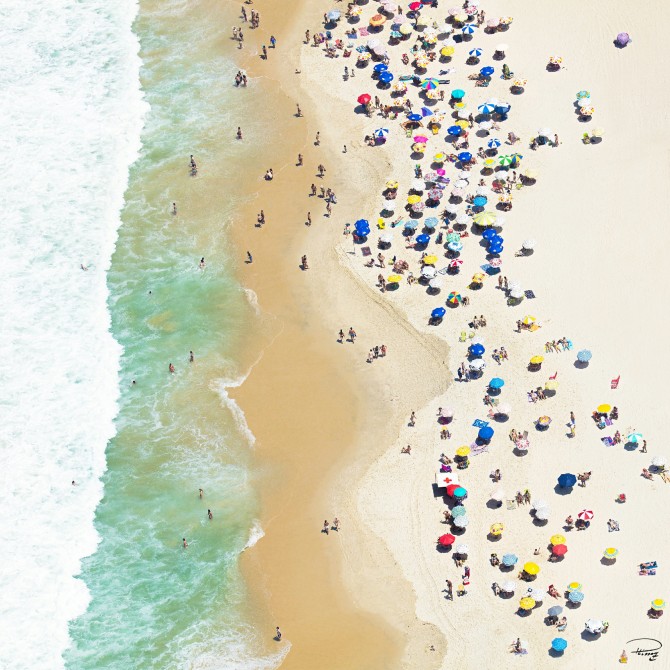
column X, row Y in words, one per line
column 330, row 427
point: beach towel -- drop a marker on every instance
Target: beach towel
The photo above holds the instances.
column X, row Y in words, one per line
column 478, row 423
column 476, row 449
column 608, row 422
column 607, row 441
column 363, row 31
column 529, row 294
column 366, row 251
column 443, row 271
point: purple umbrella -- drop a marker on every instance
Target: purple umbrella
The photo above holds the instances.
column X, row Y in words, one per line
column 623, row 39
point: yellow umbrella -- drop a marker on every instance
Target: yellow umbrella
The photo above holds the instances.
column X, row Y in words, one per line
column 489, row 162
column 461, row 18
column 496, row 529
column 447, row 51
column 462, row 451
column 485, row 219
column 574, row 586
column 479, row 277
column 604, row 409
column 551, row 385
column 536, row 360
column 440, row 158
column 460, row 104
column 557, row 539
column 531, row 174
column 610, row 552
column 413, row 199
column 429, row 260
column 405, row 29
column 377, row 20
column 657, row 604
column 528, row 319
column 394, row 279
column 392, row 184
column 531, row 568
column 419, row 147
column 526, row 603
column 462, row 124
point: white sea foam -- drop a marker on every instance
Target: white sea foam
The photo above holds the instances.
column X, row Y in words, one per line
column 70, row 127
column 221, row 386
column 255, row 534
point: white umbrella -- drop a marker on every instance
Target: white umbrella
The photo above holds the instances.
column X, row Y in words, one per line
column 516, row 293
column 373, row 43
column 503, row 409
column 461, row 521
column 386, row 239
column 486, row 125
column 508, row 587
column 481, row 190
column 478, row 364
column 502, row 47
column 464, row 174
column 594, row 626
column 462, row 219
column 462, row 114
column 544, row 132
column 513, row 285
column 493, row 101
column 451, row 207
column 478, row 340
column 460, row 183
column 536, row 594
column 500, row 221
column 418, row 185
column 389, row 205
column 498, row 495
column 448, row 412
column 428, row 271
column 658, row 461
column 543, row 513
column 461, row 549
column 435, row 283
column 528, row 244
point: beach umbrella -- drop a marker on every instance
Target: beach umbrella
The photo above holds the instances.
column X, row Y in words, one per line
column 373, row 43
column 381, row 133
column 509, row 560
column 389, row 205
column 475, row 53
column 516, row 293
column 333, row 14
column 422, row 239
column 485, row 433
column 536, row 594
column 585, row 515
column 530, row 174
column 575, row 596
column 434, row 194
column 555, row 610
column 497, row 383
column 480, row 201
column 485, row 125
column 496, row 529
column 461, row 549
column 541, row 513
column 426, row 112
column 430, row 84
column 394, row 279
column 478, row 278
column 489, row 234
column 428, row 271
column 587, row 111
column 557, row 539
column 454, row 298
column 477, row 364
column 454, row 237
column 528, row 244
column 454, row 130
column 508, row 587
column 436, row 285
column 468, row 29
column 386, row 77
column 487, row 71
column 487, row 108
column 465, row 156
column 559, row 644
column 611, row 552
column 438, row 313
column 583, row 94
column 526, row 603
column 503, row 409
column 567, row 480
column 658, row 604
column 516, row 158
column 377, row 20
column 418, row 207
column 458, row 94
column 481, row 190
column 544, row 420
column 392, row 184
column 461, row 521
column 559, row 550
column 494, row 142
column 551, row 385
column 458, row 510
column 440, row 157
column 414, row 117
column 498, row 495
column 505, row 161
column 531, row 568
column 462, row 451
column 455, row 246
column 485, row 219
column 623, row 39
column 447, row 51
column 411, row 225
column 658, row 461
column 446, row 540
column 455, row 263
column 536, row 360
column 528, row 320
column 405, row 29
column 413, row 199
column 420, row 139
column 430, row 259
column 597, row 132
column 635, row 438
column 460, row 492
column 477, row 350
column 594, row 626
column 574, row 586
column 364, row 99
column 380, row 67
column 431, row 222
column 544, row 132
column 584, row 356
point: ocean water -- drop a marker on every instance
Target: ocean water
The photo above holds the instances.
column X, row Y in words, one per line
column 104, row 102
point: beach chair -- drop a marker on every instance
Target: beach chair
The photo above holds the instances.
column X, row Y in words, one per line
column 511, row 503
column 615, row 382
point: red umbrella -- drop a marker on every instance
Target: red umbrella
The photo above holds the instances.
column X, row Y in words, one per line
column 364, row 99
column 414, row 6
column 559, row 550
column 451, row 488
column 446, row 540
column 585, row 515
column 455, row 263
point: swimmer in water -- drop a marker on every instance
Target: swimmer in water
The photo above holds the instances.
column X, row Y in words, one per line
column 184, row 543
column 202, row 263
column 209, row 514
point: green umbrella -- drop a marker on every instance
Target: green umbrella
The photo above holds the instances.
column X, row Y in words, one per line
column 505, row 161
column 453, row 237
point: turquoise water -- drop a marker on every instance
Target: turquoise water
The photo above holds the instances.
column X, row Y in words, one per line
column 153, row 603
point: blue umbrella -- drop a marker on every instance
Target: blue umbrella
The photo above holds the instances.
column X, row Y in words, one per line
column 567, row 480
column 496, row 251
column 575, row 596
column 487, row 71
column 486, row 108
column 489, row 234
column 458, row 510
column 486, row 433
column 497, row 383
column 458, row 93
column 422, row 239
column 363, row 232
column 476, row 52
column 411, row 225
column 455, row 246
column 362, row 222
column 426, row 112
column 559, row 644
column 477, row 350
column 455, row 130
column 460, row 492
column 555, row 610
column 493, row 143
column 495, row 240
column 584, row 356
column 381, row 133
column 386, row 77
column 431, row 222
column 333, row 15
column 380, row 67
column 510, row 559
column 503, row 108
column 469, row 29
column 414, row 117
column 465, row 156
column 438, row 313
column 480, row 201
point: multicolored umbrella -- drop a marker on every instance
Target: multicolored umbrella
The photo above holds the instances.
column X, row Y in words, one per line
column 658, row 604
column 611, row 552
column 381, row 132
column 454, row 298
column 430, row 84
column 583, row 94
column 486, row 108
column 634, row 438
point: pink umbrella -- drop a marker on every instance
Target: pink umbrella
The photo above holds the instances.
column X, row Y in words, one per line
column 441, row 171
column 455, row 263
column 455, row 10
column 418, row 207
column 421, row 139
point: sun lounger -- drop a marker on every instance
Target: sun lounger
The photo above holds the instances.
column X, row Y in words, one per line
column 648, row 565
column 477, row 449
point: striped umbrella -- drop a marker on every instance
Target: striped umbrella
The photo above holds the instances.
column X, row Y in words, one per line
column 454, row 298
column 516, row 158
column 381, row 132
column 456, row 262
column 505, row 161
column 585, row 515
column 485, row 219
column 657, row 604
column 476, row 52
column 611, row 552
column 494, row 142
column 455, row 246
column 430, row 84
column 486, row 108
column 635, row 438
column 469, row 29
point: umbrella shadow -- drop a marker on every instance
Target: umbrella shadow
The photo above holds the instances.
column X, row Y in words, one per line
column 631, row 446
column 561, row 491
column 494, row 504
column 590, row 637
column 555, row 654
column 581, row 365
column 519, row 452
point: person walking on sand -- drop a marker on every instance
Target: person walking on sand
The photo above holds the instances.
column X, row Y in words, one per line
column 352, row 335
column 277, row 634
column 317, row 140
column 449, row 589
column 299, row 159
column 412, row 419
column 340, row 336
column 336, row 524
column 303, row 262
column 644, row 447
column 309, row 219
column 326, row 527
column 250, row 258
column 298, row 110
column 273, row 42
